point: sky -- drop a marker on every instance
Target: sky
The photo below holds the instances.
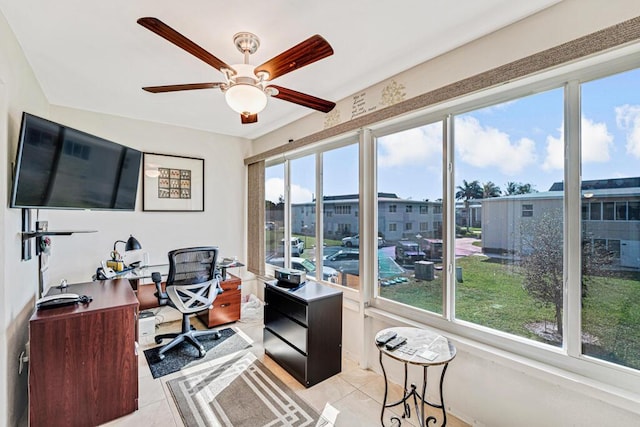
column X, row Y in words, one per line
column 519, row 141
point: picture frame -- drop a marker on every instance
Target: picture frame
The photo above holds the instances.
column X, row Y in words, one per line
column 172, row 183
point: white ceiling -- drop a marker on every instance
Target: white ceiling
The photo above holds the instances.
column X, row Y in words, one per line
column 92, row 55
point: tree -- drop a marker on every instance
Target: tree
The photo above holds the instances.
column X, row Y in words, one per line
column 469, row 191
column 542, row 261
column 489, row 189
column 514, row 188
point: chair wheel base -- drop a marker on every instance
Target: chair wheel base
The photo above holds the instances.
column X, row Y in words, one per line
column 202, row 352
column 161, row 356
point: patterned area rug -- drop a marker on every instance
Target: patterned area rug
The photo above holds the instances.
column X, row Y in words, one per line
column 238, row 392
column 185, row 355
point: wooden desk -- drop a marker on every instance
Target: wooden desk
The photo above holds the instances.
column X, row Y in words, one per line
column 226, row 307
column 83, row 365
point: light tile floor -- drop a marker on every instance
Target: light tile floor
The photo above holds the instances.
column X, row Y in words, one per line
column 356, row 393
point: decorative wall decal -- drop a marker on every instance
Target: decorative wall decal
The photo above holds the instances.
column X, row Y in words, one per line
column 359, row 106
column 332, row 118
column 393, row 93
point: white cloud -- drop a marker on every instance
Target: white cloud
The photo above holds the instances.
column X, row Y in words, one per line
column 300, row 194
column 628, row 119
column 274, row 188
column 555, row 152
column 596, row 145
column 413, row 146
column 485, row 146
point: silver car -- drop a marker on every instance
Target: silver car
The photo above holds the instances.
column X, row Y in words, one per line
column 329, row 274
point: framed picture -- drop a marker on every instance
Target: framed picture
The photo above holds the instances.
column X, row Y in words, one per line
column 172, row 183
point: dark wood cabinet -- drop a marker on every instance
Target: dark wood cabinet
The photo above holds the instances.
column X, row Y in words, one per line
column 226, row 307
column 83, row 363
column 303, row 330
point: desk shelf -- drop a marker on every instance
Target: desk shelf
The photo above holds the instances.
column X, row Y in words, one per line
column 26, row 235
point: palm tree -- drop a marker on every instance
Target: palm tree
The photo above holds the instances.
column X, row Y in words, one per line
column 489, row 189
column 468, row 191
column 518, row 188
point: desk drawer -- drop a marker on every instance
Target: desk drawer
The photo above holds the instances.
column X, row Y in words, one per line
column 226, row 309
column 295, row 309
column 286, row 356
column 291, row 331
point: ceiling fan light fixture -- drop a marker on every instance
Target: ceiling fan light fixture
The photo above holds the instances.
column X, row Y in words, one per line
column 246, row 99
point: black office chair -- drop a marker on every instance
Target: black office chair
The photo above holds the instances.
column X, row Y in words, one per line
column 192, row 286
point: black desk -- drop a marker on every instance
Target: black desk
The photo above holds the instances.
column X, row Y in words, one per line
column 419, row 340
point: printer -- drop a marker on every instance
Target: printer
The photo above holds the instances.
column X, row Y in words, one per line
column 290, row 278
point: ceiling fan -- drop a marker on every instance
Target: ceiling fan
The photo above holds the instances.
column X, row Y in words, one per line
column 246, row 87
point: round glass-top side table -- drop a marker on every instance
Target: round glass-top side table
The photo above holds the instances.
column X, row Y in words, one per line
column 423, row 348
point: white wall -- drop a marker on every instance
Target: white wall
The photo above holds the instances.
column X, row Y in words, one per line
column 19, row 90
column 76, row 257
column 485, row 387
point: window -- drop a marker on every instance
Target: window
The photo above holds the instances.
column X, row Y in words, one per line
column 610, row 330
column 409, row 167
column 608, row 211
column 621, row 211
column 340, row 183
column 342, row 210
column 344, row 229
column 595, row 211
column 634, row 211
column 506, row 277
column 511, row 278
column 274, row 210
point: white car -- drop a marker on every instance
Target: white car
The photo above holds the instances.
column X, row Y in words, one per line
column 354, row 241
column 297, row 246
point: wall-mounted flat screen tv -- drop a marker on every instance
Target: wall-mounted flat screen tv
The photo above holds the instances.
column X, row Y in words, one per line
column 58, row 167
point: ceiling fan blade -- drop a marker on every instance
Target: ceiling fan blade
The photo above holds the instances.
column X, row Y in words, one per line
column 249, row 118
column 302, row 99
column 311, row 50
column 168, row 33
column 175, row 88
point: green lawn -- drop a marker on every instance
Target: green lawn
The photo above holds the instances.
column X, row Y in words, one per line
column 491, row 295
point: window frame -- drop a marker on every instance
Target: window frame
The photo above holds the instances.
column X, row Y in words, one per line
column 569, row 76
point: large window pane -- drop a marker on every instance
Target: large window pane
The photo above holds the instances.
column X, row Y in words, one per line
column 410, row 217
column 509, row 216
column 611, row 255
column 303, row 214
column 340, row 216
column 274, row 210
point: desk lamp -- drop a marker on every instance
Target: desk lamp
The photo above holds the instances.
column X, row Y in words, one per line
column 131, row 244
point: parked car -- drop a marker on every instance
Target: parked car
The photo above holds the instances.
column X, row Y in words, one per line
column 408, row 252
column 329, row 274
column 345, row 261
column 354, row 241
column 297, row 247
column 270, row 225
column 432, row 249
